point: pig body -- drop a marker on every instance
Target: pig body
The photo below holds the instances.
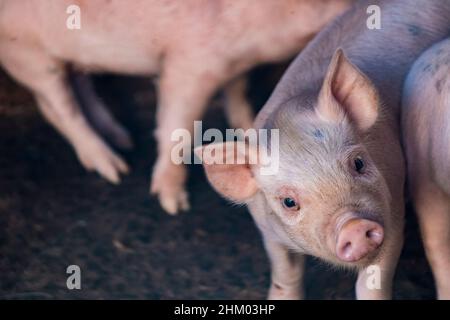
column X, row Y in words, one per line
column 194, row 47
column 426, row 134
column 338, row 193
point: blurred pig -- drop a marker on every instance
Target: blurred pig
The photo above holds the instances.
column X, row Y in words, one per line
column 194, row 46
column 426, row 135
column 338, row 193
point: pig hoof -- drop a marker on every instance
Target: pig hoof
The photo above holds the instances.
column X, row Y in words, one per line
column 173, row 201
column 168, row 184
column 121, row 138
column 278, row 293
column 102, row 159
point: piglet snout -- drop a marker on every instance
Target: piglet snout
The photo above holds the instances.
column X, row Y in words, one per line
column 358, row 238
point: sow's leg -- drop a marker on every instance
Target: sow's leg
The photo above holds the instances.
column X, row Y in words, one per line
column 47, row 79
column 184, row 90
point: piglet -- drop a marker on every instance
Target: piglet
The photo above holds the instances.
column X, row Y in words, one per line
column 426, row 135
column 338, row 191
column 194, row 46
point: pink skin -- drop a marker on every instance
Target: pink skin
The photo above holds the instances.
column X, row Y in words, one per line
column 194, row 46
column 426, row 135
column 357, row 239
column 339, row 150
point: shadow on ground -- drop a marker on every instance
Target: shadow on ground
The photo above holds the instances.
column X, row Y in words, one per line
column 54, row 214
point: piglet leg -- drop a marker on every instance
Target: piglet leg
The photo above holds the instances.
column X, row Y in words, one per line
column 287, row 271
column 375, row 281
column 433, row 211
column 47, row 79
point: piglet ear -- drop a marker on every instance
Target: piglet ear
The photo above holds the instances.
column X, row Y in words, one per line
column 227, row 167
column 347, row 91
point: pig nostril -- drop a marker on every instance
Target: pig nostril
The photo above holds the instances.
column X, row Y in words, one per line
column 375, row 235
column 347, row 249
column 372, row 234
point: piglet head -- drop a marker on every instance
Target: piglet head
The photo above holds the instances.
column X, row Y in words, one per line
column 329, row 197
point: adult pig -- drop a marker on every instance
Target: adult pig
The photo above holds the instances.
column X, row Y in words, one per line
column 338, row 193
column 426, row 135
column 195, row 46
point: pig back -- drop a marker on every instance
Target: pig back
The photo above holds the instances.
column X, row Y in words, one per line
column 426, row 114
column 385, row 55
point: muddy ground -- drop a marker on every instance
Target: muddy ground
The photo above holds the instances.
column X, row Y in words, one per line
column 54, row 214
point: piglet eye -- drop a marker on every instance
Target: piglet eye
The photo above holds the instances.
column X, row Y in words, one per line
column 290, row 204
column 359, row 165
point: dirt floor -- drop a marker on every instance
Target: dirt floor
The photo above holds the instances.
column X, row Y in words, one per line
column 54, row 214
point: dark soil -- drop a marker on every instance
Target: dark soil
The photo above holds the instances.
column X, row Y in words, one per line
column 54, row 214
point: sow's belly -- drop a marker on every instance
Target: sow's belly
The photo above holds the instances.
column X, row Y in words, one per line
column 114, row 58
